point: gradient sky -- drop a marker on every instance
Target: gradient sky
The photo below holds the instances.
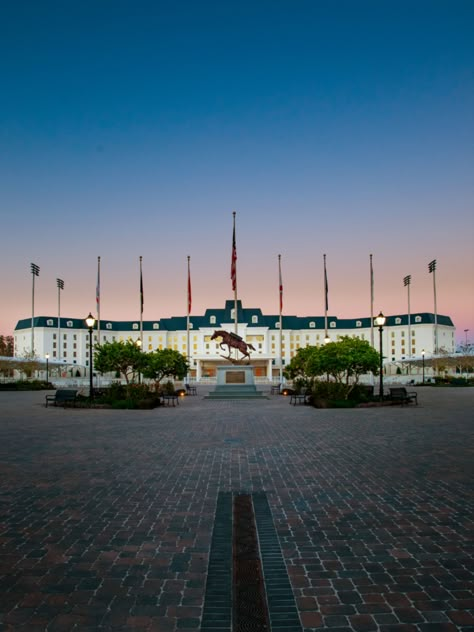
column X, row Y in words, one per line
column 136, row 128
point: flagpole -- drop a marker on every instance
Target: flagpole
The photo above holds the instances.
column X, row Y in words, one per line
column 371, row 303
column 188, row 319
column 97, row 298
column 325, row 301
column 234, row 277
column 407, row 283
column 280, row 321
column 141, row 304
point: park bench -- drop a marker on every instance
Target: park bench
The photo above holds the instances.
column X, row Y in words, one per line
column 169, row 399
column 191, row 390
column 300, row 398
column 275, row 389
column 402, row 396
column 62, row 397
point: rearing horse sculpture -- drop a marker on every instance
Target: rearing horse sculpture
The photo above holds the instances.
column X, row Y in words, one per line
column 233, row 341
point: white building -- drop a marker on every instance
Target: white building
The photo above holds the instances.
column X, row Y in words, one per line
column 403, row 337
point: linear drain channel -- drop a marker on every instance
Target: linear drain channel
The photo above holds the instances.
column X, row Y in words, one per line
column 247, row 570
column 250, row 611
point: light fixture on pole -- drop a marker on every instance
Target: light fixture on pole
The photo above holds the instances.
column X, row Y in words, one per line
column 35, row 272
column 432, row 270
column 380, row 322
column 60, row 284
column 47, row 367
column 90, row 322
column 423, row 365
column 406, row 283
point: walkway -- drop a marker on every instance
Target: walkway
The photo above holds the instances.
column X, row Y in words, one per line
column 107, row 517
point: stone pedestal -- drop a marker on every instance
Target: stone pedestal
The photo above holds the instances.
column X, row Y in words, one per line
column 235, row 382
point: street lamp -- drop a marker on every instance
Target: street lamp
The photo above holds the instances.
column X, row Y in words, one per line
column 423, row 364
column 380, row 322
column 47, row 367
column 90, row 322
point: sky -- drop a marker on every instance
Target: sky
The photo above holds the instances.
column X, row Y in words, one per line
column 332, row 127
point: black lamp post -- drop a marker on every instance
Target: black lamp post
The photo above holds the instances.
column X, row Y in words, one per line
column 423, row 364
column 90, row 322
column 47, row 368
column 380, row 322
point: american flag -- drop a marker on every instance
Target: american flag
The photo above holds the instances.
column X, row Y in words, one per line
column 233, row 265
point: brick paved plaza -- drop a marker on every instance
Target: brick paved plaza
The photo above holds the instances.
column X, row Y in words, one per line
column 107, row 516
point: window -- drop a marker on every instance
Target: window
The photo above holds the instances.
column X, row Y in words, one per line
column 332, row 324
column 156, row 326
column 49, row 322
column 190, row 325
column 417, row 319
column 358, row 323
column 254, row 319
column 212, row 320
column 398, row 321
column 135, row 326
column 54, row 336
column 108, row 326
column 69, row 323
column 312, row 324
column 277, row 325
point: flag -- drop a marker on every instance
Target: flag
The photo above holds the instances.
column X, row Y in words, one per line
column 141, row 287
column 97, row 289
column 326, row 284
column 371, row 282
column 233, row 265
column 281, row 284
column 189, row 289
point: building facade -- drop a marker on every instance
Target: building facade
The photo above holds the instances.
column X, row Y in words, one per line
column 67, row 342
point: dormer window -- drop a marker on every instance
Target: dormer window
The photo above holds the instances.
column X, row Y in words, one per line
column 69, row 323
column 190, row 325
column 108, row 326
column 49, row 322
column 417, row 319
column 135, row 326
column 332, row 324
column 398, row 321
column 212, row 320
column 156, row 326
column 358, row 323
column 277, row 325
column 312, row 324
column 254, row 319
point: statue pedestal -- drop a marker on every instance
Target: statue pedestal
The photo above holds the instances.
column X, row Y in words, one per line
column 235, row 382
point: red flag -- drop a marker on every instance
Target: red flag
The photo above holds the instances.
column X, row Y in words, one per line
column 141, row 287
column 189, row 289
column 281, row 285
column 97, row 289
column 233, row 265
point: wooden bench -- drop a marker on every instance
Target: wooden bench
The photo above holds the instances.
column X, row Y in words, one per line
column 62, row 397
column 168, row 400
column 402, row 396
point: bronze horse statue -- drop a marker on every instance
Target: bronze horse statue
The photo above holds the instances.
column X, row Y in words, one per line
column 233, row 341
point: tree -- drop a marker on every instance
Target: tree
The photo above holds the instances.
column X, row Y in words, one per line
column 164, row 363
column 345, row 361
column 6, row 346
column 124, row 358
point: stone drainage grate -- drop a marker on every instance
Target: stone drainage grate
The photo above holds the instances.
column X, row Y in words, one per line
column 248, row 589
